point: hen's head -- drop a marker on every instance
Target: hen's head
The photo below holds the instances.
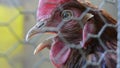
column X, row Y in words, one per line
column 58, row 17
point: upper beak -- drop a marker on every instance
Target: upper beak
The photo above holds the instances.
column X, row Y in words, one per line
column 38, row 29
column 35, row 30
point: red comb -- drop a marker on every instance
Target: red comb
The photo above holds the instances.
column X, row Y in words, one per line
column 46, row 7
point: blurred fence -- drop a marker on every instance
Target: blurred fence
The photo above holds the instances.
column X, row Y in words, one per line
column 16, row 18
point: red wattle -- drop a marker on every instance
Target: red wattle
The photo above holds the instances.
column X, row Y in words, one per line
column 59, row 53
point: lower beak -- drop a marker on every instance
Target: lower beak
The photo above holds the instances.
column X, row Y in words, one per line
column 41, row 46
column 38, row 30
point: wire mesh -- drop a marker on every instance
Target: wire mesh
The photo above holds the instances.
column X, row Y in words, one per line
column 27, row 59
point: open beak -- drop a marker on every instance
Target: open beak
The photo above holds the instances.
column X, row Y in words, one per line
column 39, row 28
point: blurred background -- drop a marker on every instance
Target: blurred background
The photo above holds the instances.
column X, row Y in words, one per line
column 16, row 18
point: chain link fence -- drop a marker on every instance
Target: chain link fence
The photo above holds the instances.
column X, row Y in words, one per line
column 18, row 16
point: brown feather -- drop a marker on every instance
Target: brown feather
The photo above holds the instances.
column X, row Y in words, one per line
column 95, row 50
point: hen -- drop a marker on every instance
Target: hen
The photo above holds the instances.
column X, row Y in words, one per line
column 84, row 36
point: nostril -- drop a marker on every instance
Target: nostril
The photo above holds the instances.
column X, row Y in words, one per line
column 41, row 25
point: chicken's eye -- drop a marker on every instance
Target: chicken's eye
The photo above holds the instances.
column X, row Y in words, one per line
column 67, row 15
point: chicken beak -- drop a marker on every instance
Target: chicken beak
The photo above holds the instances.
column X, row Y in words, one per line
column 43, row 45
column 37, row 29
column 31, row 33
